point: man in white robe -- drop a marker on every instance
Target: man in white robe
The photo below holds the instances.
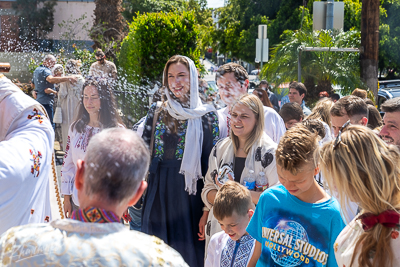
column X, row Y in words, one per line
column 233, row 82
column 110, row 179
column 26, row 151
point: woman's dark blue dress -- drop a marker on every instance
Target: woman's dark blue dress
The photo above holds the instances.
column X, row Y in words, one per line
column 169, row 212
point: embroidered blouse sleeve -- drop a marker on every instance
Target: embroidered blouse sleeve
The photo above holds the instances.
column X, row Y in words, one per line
column 68, row 168
column 209, row 183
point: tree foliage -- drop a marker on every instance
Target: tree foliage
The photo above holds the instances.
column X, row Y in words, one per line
column 240, row 18
column 153, row 38
column 109, row 27
column 135, row 7
column 36, row 20
column 204, row 21
column 239, row 21
column 389, row 38
column 319, row 69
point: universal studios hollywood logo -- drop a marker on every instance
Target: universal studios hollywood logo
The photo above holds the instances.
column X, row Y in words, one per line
column 289, row 245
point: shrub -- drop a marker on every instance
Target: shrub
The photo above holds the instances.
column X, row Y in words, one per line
column 153, row 38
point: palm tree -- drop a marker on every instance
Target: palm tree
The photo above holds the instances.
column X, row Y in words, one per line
column 319, row 69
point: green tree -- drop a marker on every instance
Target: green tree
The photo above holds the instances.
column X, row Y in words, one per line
column 240, row 18
column 199, row 7
column 109, row 26
column 153, row 38
column 319, row 69
column 135, row 7
column 36, row 20
column 389, row 39
column 352, row 15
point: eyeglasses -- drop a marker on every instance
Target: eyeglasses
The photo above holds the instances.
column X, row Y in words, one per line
column 339, row 137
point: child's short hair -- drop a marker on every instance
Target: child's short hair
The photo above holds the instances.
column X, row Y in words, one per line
column 291, row 111
column 297, row 148
column 232, row 196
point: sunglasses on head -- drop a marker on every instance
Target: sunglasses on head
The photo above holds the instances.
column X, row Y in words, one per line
column 339, row 136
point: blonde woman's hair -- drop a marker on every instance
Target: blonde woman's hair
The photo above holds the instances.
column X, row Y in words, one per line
column 322, row 111
column 256, row 106
column 364, row 169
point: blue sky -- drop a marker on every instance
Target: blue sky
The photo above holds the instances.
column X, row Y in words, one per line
column 215, row 3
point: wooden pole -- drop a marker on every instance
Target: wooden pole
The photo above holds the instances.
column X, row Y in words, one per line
column 370, row 43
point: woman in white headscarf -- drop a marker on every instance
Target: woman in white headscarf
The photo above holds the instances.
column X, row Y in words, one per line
column 181, row 131
column 69, row 97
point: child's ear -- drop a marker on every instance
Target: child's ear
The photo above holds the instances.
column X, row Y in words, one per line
column 250, row 213
column 316, row 170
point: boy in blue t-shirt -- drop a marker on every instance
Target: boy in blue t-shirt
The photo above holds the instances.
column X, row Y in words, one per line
column 296, row 223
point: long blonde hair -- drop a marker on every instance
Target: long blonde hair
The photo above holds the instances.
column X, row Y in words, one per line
column 364, row 169
column 322, row 111
column 256, row 106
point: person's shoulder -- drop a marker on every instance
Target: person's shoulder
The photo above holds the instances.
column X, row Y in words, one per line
column 306, row 110
column 72, row 129
column 267, row 142
column 154, row 106
column 153, row 247
column 218, row 238
column 333, row 205
column 25, row 233
column 212, row 115
column 274, row 193
column 223, row 143
column 270, row 113
column 110, row 63
column 222, row 111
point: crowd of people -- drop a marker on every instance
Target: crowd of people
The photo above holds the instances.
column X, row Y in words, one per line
column 252, row 184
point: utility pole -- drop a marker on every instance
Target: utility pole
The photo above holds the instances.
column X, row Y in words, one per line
column 370, row 44
column 329, row 15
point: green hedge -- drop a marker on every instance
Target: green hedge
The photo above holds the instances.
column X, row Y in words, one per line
column 153, row 38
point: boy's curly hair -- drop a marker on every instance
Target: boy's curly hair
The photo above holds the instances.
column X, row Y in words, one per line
column 296, row 148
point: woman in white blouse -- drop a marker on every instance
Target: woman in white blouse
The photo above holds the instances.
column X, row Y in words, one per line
column 248, row 150
column 97, row 110
column 365, row 170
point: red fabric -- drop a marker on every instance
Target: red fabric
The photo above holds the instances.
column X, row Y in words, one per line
column 389, row 218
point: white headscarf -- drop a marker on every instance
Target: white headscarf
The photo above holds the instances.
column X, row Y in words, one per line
column 191, row 162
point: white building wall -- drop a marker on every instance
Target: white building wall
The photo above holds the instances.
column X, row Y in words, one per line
column 67, row 10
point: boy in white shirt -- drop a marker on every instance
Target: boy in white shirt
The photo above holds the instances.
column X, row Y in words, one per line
column 233, row 208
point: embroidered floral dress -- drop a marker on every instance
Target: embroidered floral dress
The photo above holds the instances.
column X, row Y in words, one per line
column 75, row 149
column 169, row 212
